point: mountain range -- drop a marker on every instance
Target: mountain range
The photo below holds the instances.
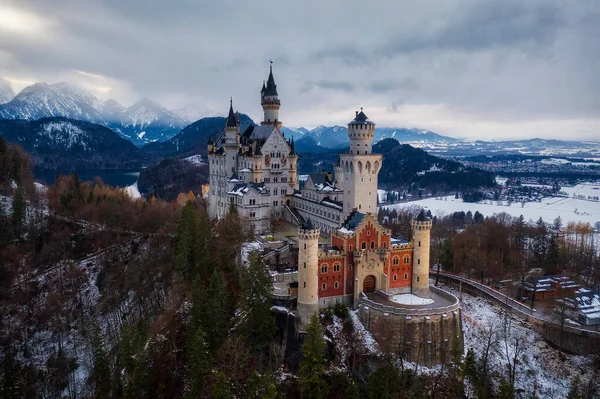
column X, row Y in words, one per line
column 144, row 122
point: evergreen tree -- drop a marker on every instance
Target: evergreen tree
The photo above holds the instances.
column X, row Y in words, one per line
column 574, row 389
column 19, row 208
column 311, row 373
column 101, row 368
column 258, row 325
column 198, row 361
column 260, row 387
column 221, row 390
column 352, row 391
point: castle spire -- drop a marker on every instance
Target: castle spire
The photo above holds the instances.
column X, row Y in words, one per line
column 231, row 120
column 271, row 89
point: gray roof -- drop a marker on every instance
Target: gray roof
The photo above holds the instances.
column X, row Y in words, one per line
column 354, row 220
column 258, row 132
column 361, row 119
column 271, row 89
column 231, row 119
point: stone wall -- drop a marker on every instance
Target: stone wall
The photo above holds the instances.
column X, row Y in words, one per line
column 424, row 336
column 573, row 340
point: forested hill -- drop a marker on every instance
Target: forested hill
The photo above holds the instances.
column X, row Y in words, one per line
column 405, row 165
column 60, row 143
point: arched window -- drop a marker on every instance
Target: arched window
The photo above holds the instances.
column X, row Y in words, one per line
column 395, row 277
column 324, row 286
column 336, row 285
column 406, row 276
column 336, row 267
column 395, row 261
column 406, row 259
column 324, row 269
column 372, row 244
column 363, row 245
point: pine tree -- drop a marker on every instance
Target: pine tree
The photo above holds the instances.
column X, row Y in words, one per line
column 19, row 207
column 260, row 387
column 311, row 373
column 101, row 368
column 221, row 390
column 258, row 326
column 574, row 389
column 198, row 361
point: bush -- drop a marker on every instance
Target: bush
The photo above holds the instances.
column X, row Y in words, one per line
column 328, row 315
column 341, row 311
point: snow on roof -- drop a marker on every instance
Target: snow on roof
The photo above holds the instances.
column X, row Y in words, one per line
column 243, row 188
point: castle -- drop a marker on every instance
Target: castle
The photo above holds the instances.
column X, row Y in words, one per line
column 386, row 278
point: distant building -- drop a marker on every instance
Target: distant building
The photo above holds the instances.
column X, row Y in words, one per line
column 584, row 306
column 549, row 287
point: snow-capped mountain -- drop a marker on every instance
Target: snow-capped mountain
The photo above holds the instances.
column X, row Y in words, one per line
column 6, row 92
column 147, row 121
column 293, row 132
column 61, row 143
column 42, row 100
column 143, row 122
column 193, row 112
column 112, row 111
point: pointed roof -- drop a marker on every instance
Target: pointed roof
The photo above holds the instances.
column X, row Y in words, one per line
column 264, row 88
column 292, row 147
column 271, row 89
column 231, row 119
column 309, row 225
column 421, row 216
column 361, row 119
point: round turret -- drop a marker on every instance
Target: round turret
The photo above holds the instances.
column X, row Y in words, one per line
column 421, row 229
column 269, row 99
column 361, row 132
column 308, row 276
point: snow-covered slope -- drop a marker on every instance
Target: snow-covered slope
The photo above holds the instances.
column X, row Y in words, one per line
column 6, row 92
column 42, row 100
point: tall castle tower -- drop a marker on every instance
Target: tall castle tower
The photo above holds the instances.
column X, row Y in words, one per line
column 308, row 273
column 421, row 227
column 232, row 141
column 269, row 99
column 357, row 171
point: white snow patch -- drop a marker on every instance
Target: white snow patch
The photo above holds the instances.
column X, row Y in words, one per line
column 410, row 299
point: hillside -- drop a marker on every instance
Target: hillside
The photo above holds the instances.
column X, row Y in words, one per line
column 193, row 139
column 405, row 165
column 61, row 143
column 169, row 177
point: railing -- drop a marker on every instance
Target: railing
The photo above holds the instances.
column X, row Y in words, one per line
column 514, row 304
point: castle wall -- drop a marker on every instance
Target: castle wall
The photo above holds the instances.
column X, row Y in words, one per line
column 424, row 336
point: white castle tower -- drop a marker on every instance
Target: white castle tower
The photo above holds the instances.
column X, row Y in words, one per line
column 421, row 229
column 357, row 171
column 308, row 274
column 269, row 99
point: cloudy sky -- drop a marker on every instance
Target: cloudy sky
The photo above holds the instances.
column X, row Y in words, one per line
column 468, row 68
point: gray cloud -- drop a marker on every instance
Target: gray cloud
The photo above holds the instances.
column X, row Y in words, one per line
column 328, row 85
column 482, row 62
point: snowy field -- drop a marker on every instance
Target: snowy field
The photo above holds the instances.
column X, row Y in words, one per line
column 569, row 209
column 539, row 364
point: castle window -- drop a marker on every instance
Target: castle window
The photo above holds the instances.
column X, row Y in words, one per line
column 395, row 277
column 305, row 265
column 364, row 245
column 305, row 248
column 395, row 261
column 275, row 193
column 406, row 260
column 406, row 276
column 419, row 243
column 324, row 269
column 372, row 244
column 418, row 261
column 336, row 267
column 350, row 267
column 305, row 284
column 417, row 279
column 336, row 285
column 350, row 248
column 324, row 286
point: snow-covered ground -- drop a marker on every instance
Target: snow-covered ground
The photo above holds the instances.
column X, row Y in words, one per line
column 569, row 209
column 410, row 299
column 195, row 160
column 539, row 364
